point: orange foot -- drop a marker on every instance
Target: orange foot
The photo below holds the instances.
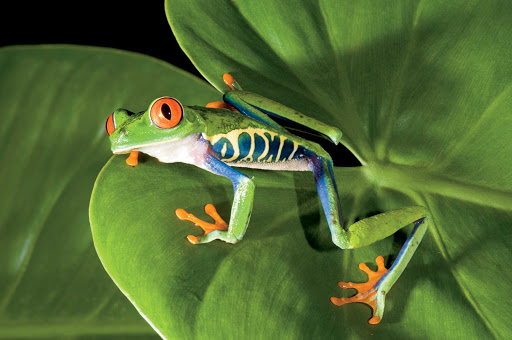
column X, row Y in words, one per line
column 231, row 82
column 367, row 291
column 133, row 159
column 221, row 105
column 220, row 224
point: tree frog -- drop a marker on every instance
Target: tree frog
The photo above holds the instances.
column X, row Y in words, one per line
column 239, row 132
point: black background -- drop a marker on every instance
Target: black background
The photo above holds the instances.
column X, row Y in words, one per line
column 139, row 26
column 134, row 26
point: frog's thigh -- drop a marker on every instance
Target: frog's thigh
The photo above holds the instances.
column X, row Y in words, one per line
column 377, row 227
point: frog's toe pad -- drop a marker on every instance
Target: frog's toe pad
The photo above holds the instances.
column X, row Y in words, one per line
column 193, row 239
column 219, row 224
column 366, row 291
column 231, row 82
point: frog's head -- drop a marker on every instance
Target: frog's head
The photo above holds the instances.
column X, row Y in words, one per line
column 166, row 120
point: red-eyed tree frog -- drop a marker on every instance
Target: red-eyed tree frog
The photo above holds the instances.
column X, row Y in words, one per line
column 239, row 132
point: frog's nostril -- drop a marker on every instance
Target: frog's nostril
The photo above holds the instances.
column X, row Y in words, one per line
column 129, row 113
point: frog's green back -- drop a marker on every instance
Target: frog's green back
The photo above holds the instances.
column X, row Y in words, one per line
column 293, row 120
column 238, row 138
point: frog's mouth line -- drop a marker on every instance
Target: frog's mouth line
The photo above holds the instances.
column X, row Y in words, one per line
column 129, row 149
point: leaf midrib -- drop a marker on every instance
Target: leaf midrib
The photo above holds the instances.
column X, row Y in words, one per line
column 409, row 179
column 427, row 202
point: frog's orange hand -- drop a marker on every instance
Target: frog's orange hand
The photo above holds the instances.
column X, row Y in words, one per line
column 220, row 224
column 367, row 291
column 133, row 159
column 221, row 105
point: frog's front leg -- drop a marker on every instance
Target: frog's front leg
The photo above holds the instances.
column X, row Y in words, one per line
column 366, row 232
column 133, row 159
column 243, row 187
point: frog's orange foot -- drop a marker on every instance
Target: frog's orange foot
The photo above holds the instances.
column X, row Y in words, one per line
column 367, row 291
column 231, row 82
column 221, row 105
column 133, row 159
column 220, row 224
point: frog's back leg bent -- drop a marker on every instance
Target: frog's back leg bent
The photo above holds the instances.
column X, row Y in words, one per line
column 366, row 232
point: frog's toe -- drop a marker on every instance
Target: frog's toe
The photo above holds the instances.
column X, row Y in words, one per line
column 219, row 224
column 133, row 159
column 231, row 82
column 370, row 292
column 193, row 239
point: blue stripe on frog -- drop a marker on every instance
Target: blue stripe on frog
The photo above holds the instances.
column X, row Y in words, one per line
column 255, row 145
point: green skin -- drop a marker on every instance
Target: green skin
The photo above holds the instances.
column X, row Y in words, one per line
column 193, row 139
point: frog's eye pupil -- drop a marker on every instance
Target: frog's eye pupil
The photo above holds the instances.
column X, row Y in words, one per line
column 166, row 111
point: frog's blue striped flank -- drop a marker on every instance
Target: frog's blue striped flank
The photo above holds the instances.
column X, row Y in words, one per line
column 255, row 145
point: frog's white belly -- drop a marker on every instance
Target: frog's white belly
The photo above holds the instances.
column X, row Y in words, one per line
column 184, row 150
column 191, row 149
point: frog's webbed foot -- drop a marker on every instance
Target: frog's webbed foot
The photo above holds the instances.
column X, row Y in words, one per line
column 220, row 224
column 370, row 293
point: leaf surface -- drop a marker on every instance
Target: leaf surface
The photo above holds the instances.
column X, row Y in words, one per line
column 54, row 102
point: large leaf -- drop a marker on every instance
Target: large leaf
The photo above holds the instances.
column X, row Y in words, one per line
column 277, row 281
column 422, row 91
column 54, row 101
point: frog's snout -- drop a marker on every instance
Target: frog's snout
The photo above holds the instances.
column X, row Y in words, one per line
column 122, row 127
column 116, row 118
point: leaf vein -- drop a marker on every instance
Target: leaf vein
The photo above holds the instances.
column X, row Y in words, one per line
column 442, row 248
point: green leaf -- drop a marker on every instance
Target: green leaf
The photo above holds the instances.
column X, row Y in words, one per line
column 422, row 91
column 277, row 281
column 54, row 102
column 274, row 283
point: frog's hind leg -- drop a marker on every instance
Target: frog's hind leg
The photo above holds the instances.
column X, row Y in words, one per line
column 366, row 232
column 243, row 187
column 328, row 192
column 373, row 292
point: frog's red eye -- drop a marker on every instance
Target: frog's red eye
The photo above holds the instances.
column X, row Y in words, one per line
column 166, row 113
column 110, row 125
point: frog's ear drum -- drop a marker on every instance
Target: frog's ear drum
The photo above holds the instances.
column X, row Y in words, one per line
column 110, row 124
column 166, row 112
